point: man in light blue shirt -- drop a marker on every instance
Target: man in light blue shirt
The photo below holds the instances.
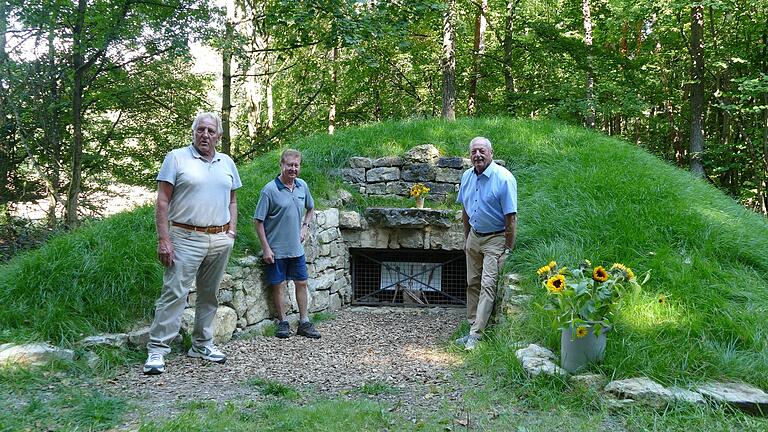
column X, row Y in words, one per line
column 488, row 195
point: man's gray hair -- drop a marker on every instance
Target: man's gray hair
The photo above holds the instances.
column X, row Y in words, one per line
column 211, row 115
column 481, row 140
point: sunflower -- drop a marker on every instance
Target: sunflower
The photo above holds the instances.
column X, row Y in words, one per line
column 563, row 270
column 624, row 269
column 543, row 270
column 599, row 274
column 630, row 275
column 552, row 264
column 556, row 283
column 662, row 300
column 581, row 331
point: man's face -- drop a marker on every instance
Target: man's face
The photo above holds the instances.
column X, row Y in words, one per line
column 206, row 136
column 290, row 167
column 481, row 156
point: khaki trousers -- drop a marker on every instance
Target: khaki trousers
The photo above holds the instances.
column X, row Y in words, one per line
column 485, row 259
column 200, row 260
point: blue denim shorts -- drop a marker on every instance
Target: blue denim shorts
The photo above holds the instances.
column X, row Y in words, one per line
column 287, row 269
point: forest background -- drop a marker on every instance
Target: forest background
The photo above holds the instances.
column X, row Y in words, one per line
column 95, row 92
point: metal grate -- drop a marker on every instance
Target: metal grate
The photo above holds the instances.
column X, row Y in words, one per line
column 413, row 277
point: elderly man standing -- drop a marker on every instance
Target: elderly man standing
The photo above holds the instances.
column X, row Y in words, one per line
column 488, row 195
column 196, row 218
column 282, row 228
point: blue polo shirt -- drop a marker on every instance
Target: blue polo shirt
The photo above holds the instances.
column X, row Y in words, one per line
column 488, row 197
column 282, row 210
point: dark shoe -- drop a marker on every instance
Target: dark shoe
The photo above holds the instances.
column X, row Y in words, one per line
column 307, row 329
column 283, row 330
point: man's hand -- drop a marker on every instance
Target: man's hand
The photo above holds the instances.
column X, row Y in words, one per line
column 165, row 252
column 304, row 232
column 269, row 256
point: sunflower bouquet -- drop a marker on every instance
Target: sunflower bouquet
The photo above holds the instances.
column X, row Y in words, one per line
column 418, row 190
column 585, row 296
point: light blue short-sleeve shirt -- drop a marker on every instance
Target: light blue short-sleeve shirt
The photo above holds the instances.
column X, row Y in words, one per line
column 282, row 211
column 201, row 188
column 488, row 197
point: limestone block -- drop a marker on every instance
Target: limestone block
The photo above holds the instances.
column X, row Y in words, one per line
column 36, row 354
column 320, row 301
column 501, row 162
column 447, row 240
column 329, row 235
column 411, row 239
column 224, row 296
column 440, row 189
column 383, row 174
column 249, row 261
column 360, row 162
column 425, row 153
column 324, row 250
column 323, row 263
column 334, row 302
column 376, row 189
column 397, row 188
column 640, row 389
column 114, row 340
column 450, row 162
column 388, row 161
column 448, row 175
column 139, row 337
column 323, row 281
column 350, row 220
column 739, row 395
column 227, row 282
column 537, row 360
column 419, row 172
column 353, row 175
column 339, row 284
column 331, row 218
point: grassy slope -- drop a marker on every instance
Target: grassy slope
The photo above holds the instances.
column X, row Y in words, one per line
column 581, row 196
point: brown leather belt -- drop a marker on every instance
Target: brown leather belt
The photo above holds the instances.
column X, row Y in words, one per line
column 207, row 230
column 479, row 234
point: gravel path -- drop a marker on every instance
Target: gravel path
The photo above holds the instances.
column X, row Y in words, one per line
column 405, row 349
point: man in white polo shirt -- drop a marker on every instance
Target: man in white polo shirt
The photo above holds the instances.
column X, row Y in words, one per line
column 488, row 195
column 196, row 218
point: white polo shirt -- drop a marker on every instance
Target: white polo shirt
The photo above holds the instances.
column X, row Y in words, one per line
column 201, row 188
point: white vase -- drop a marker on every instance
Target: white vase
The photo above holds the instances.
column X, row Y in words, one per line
column 576, row 353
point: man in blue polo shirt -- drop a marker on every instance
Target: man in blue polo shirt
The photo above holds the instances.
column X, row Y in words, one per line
column 282, row 220
column 488, row 195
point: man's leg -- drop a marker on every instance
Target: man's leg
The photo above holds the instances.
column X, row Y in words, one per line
column 493, row 261
column 474, row 273
column 302, row 299
column 178, row 278
column 209, row 276
column 297, row 271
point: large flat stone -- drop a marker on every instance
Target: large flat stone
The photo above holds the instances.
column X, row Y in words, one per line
column 738, row 395
column 408, row 218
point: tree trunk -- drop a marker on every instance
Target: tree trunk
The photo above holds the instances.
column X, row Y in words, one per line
column 509, row 80
column 5, row 141
column 52, row 129
column 697, row 89
column 78, row 65
column 226, row 82
column 589, row 118
column 478, row 56
column 449, row 64
column 334, row 91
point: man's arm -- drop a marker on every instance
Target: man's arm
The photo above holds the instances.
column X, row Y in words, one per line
column 269, row 256
column 164, row 245
column 232, row 214
column 510, row 229
column 465, row 221
column 306, row 223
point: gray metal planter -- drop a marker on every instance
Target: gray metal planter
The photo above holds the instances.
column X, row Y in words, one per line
column 577, row 353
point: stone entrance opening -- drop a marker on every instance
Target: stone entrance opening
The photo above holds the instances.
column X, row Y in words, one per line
column 409, row 277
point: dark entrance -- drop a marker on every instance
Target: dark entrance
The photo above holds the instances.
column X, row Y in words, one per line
column 412, row 277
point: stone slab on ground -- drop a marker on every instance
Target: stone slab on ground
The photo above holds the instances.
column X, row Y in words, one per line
column 738, row 395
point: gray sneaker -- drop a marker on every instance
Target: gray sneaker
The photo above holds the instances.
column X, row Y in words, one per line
column 283, row 330
column 462, row 340
column 208, row 352
column 155, row 365
column 471, row 343
column 307, row 329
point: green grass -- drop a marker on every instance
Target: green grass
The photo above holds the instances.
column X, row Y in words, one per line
column 60, row 396
column 374, row 388
column 274, row 388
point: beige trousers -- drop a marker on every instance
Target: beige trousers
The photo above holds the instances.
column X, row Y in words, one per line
column 200, row 260
column 485, row 259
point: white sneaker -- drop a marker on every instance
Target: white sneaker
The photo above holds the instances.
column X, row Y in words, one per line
column 471, row 343
column 155, row 365
column 208, row 352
